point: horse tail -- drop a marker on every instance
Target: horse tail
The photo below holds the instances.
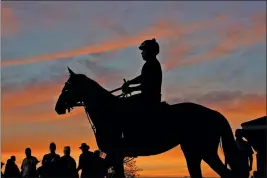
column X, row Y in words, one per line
column 228, row 145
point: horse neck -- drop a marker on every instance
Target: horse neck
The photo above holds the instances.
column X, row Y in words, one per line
column 97, row 95
column 98, row 101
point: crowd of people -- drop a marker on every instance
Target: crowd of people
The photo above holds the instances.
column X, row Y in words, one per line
column 90, row 163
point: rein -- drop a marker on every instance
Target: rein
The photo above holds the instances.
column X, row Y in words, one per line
column 123, row 95
column 90, row 121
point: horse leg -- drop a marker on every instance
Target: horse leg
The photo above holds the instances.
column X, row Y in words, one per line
column 216, row 164
column 119, row 168
column 193, row 161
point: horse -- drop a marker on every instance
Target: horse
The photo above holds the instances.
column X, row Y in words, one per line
column 121, row 132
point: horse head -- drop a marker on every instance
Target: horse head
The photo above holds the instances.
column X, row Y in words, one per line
column 79, row 90
column 73, row 93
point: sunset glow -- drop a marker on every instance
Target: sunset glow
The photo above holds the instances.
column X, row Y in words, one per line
column 212, row 53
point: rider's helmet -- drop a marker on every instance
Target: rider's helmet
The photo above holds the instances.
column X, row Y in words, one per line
column 151, row 46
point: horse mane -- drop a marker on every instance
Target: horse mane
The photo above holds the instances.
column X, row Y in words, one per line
column 100, row 91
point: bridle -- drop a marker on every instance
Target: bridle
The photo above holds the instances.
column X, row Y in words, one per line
column 77, row 104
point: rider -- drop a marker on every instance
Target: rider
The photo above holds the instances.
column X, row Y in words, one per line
column 149, row 81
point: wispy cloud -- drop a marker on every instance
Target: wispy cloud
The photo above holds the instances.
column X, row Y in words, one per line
column 50, row 91
column 233, row 37
column 231, row 103
column 37, row 114
column 52, row 31
column 180, row 49
column 114, row 26
column 42, row 93
column 161, row 29
column 9, row 22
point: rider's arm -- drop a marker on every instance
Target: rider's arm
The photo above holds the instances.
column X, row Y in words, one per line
column 136, row 80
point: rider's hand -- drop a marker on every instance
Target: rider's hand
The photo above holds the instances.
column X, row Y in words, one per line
column 126, row 89
column 125, row 86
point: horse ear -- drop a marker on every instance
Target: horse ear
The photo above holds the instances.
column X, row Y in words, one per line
column 71, row 72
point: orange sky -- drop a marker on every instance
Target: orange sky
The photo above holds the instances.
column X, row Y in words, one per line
column 172, row 162
column 27, row 110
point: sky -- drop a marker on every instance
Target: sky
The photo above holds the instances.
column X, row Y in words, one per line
column 212, row 53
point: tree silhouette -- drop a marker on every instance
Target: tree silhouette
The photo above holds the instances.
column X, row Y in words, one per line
column 131, row 169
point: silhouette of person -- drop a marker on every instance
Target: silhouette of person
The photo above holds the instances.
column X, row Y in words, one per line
column 2, row 164
column 50, row 162
column 12, row 169
column 68, row 164
column 28, row 167
column 246, row 158
column 99, row 163
column 86, row 161
column 245, row 149
column 149, row 81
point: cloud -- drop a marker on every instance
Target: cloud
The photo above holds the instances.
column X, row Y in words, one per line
column 36, row 14
column 9, row 22
column 236, row 106
column 179, row 49
column 48, row 91
column 161, row 29
column 114, row 25
column 31, row 95
column 246, row 105
column 224, row 100
column 24, row 125
column 32, row 114
column 103, row 74
column 55, row 72
column 233, row 37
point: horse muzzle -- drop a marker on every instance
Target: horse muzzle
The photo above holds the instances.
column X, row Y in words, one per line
column 60, row 111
